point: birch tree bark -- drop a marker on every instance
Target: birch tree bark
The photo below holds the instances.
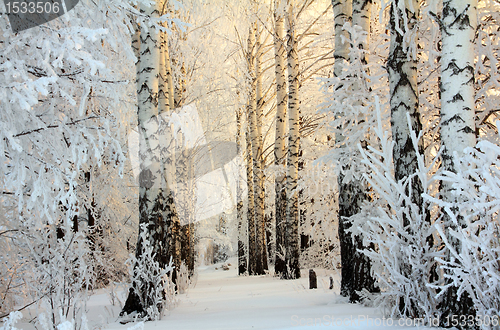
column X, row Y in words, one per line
column 250, row 206
column 350, row 194
column 180, row 87
column 259, row 177
column 168, row 74
column 458, row 131
column 242, row 226
column 280, row 141
column 292, row 214
column 167, row 145
column 342, row 10
column 185, row 174
column 150, row 197
column 402, row 69
column 360, row 264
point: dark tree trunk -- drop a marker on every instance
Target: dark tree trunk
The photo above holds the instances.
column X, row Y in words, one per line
column 356, row 267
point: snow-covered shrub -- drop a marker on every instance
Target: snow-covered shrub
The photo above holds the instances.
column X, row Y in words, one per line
column 318, row 220
column 12, row 268
column 182, row 281
column 475, row 266
column 404, row 257
column 152, row 284
column 11, row 320
column 62, row 274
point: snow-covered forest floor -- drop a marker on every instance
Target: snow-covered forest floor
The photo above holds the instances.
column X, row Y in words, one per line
column 223, row 300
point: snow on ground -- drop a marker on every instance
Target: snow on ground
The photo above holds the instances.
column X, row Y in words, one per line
column 222, row 300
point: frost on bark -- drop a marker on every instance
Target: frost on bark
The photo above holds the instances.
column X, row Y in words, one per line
column 292, row 210
column 242, row 226
column 458, row 26
column 356, row 267
column 280, row 142
column 361, row 17
column 150, row 194
column 350, row 194
column 402, row 69
column 342, row 10
column 342, row 13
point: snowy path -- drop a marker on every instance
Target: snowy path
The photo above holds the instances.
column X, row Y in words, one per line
column 222, row 300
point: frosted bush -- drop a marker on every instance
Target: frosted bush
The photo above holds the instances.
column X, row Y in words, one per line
column 475, row 265
column 62, row 273
column 11, row 320
column 403, row 259
column 152, row 284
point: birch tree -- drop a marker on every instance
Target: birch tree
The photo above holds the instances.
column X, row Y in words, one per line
column 458, row 130
column 402, row 69
column 280, row 141
column 404, row 104
column 250, row 205
column 171, row 222
column 292, row 213
column 151, row 231
column 350, row 194
column 242, row 225
column 259, row 161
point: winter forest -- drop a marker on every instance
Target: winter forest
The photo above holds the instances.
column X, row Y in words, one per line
column 147, row 146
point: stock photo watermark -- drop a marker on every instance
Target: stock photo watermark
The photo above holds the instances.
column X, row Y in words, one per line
column 25, row 14
column 202, row 174
column 365, row 320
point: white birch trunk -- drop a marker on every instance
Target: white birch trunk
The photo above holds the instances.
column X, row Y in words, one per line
column 250, row 206
column 147, row 98
column 280, row 142
column 150, row 198
column 402, row 69
column 459, row 23
column 256, row 260
column 342, row 10
column 260, row 222
column 167, row 143
column 168, row 74
column 242, row 226
column 342, row 13
column 292, row 223
column 458, row 131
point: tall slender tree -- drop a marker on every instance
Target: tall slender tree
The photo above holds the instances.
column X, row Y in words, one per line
column 259, row 164
column 242, row 226
column 250, row 206
column 402, row 69
column 150, row 197
column 167, row 145
column 280, row 140
column 350, row 194
column 458, row 130
column 292, row 213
